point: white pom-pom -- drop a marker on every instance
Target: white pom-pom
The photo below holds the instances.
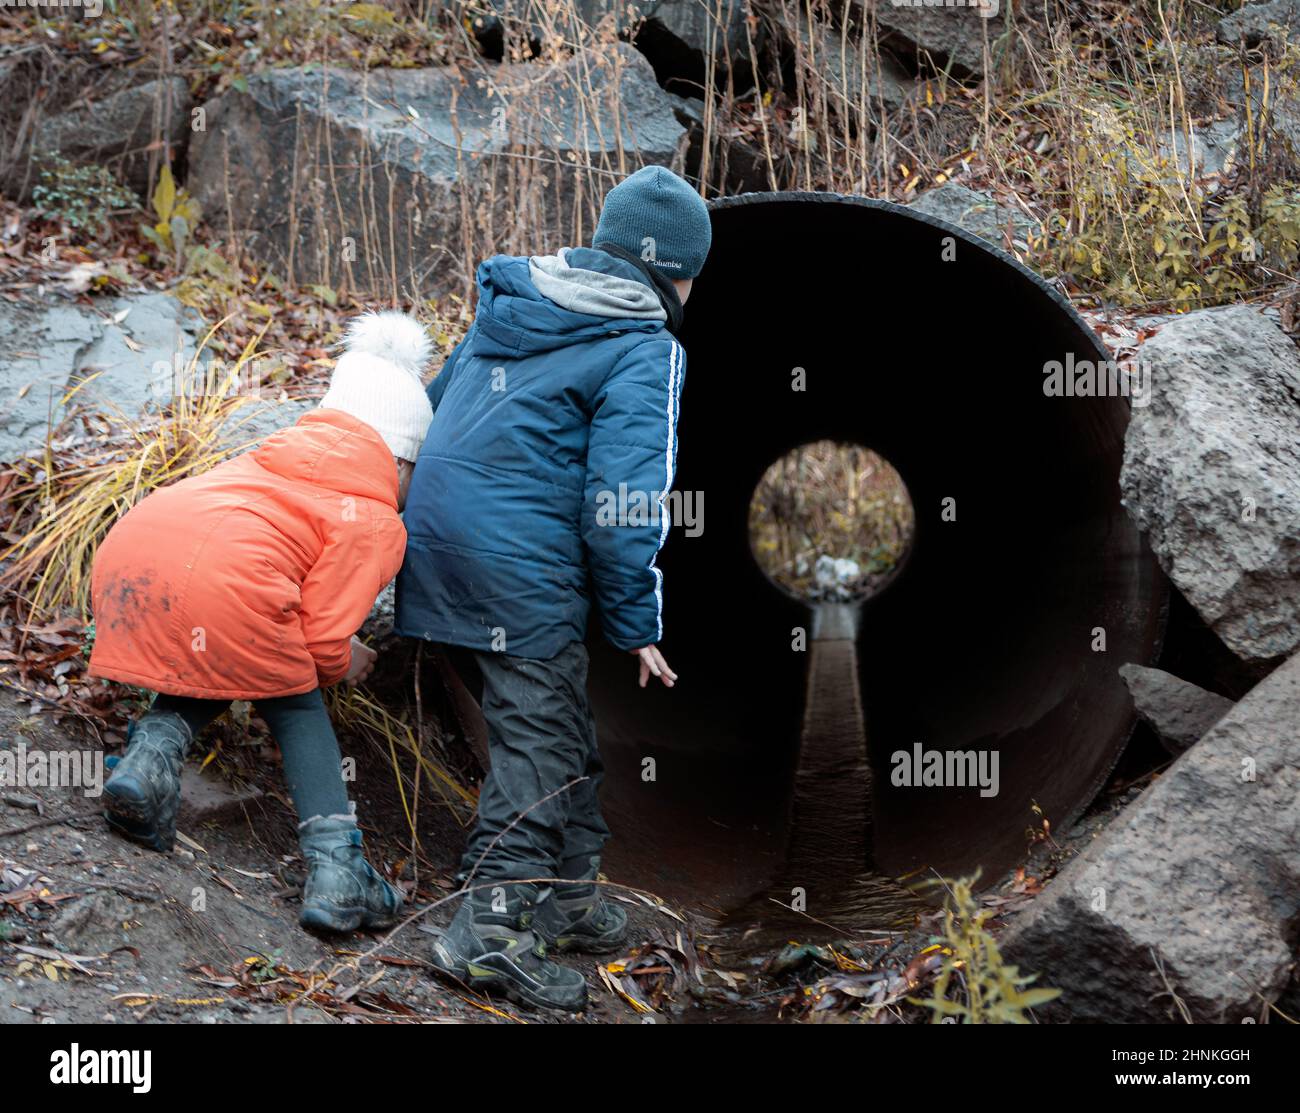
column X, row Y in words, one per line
column 391, row 336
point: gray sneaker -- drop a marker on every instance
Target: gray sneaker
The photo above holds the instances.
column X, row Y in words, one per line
column 490, row 945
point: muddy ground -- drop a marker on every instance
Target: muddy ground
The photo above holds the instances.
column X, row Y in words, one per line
column 94, row 929
column 101, row 930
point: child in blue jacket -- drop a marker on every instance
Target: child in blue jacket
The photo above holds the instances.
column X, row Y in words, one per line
column 558, row 409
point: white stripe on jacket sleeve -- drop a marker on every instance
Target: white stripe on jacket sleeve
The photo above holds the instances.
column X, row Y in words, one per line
column 670, row 460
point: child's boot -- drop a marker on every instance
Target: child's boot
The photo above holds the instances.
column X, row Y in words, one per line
column 343, row 891
column 143, row 794
column 576, row 918
column 490, row 945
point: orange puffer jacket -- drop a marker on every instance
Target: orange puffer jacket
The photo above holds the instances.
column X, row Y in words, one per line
column 248, row 581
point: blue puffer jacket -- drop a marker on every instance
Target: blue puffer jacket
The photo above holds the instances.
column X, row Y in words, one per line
column 554, row 429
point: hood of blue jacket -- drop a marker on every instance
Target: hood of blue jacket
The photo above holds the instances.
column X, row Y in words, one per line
column 515, row 318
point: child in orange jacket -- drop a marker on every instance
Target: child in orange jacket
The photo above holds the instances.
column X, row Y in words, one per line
column 248, row 582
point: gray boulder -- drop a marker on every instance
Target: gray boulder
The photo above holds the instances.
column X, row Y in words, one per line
column 369, row 179
column 118, row 355
column 1215, row 149
column 1212, row 473
column 121, row 357
column 1250, row 24
column 1180, row 713
column 1269, row 105
column 700, row 26
column 688, row 110
column 38, row 352
column 978, row 213
column 1192, row 892
column 118, row 130
column 143, row 348
column 854, row 74
column 681, row 35
column 946, row 36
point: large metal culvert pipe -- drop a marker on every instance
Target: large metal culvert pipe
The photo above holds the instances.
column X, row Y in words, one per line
column 927, row 345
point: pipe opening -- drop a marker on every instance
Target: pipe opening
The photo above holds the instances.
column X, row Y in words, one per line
column 831, row 522
column 928, row 346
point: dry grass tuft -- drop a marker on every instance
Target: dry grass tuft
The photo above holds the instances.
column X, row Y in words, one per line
column 65, row 502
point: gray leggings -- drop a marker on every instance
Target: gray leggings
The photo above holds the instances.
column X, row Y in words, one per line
column 301, row 728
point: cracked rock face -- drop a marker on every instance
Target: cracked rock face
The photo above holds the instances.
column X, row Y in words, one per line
column 37, row 356
column 951, row 35
column 345, row 177
column 121, row 353
column 1212, row 473
column 856, row 75
column 124, row 356
column 1250, row 24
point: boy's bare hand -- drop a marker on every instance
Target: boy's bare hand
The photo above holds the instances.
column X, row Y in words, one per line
column 363, row 661
column 653, row 663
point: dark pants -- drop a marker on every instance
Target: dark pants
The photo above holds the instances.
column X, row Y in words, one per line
column 302, row 729
column 541, row 737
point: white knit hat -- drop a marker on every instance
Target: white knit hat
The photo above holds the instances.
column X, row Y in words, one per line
column 377, row 379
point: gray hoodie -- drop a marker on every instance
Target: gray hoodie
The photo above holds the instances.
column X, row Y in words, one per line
column 584, row 289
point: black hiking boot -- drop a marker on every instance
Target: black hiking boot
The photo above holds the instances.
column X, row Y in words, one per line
column 343, row 891
column 143, row 794
column 576, row 918
column 490, row 945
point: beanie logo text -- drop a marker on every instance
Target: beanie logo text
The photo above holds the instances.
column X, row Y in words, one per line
column 648, row 254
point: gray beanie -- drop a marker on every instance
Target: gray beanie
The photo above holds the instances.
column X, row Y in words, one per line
column 658, row 216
